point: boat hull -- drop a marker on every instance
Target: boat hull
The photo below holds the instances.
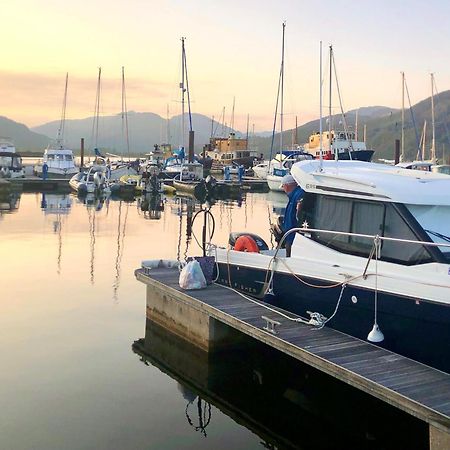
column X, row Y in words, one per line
column 274, row 183
column 412, row 327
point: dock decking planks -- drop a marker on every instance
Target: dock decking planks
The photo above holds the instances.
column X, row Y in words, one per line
column 419, row 390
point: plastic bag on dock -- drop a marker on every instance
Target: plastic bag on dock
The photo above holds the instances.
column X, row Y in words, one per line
column 191, row 276
column 207, row 264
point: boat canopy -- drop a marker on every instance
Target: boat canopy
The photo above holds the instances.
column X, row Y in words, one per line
column 373, row 181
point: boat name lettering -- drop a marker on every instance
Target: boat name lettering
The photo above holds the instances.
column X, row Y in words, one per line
column 310, row 186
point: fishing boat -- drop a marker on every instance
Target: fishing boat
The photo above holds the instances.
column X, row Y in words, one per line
column 58, row 159
column 10, row 161
column 343, row 145
column 371, row 257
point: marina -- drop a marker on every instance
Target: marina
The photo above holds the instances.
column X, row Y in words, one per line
column 244, row 243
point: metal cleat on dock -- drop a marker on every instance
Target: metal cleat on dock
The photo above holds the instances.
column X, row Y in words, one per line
column 270, row 324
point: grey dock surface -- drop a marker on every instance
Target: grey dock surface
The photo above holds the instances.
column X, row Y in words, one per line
column 36, row 183
column 412, row 387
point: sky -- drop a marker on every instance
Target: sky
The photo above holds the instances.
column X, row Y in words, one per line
column 233, row 50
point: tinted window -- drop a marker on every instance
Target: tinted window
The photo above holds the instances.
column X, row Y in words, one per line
column 362, row 217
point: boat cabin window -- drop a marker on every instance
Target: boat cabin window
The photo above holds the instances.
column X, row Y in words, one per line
column 365, row 217
column 50, row 157
column 68, row 157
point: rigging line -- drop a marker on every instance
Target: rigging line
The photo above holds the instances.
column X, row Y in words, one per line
column 445, row 123
column 413, row 119
column 61, row 129
column 117, row 263
column 125, row 113
column 341, row 105
column 94, row 133
column 187, row 87
column 275, row 120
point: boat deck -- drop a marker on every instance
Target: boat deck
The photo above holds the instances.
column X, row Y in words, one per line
column 419, row 390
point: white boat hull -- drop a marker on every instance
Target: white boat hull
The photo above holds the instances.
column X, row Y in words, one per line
column 274, row 183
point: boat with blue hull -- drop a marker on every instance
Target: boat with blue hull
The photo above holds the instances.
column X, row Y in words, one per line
column 371, row 258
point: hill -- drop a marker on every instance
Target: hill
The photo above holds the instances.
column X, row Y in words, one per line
column 383, row 127
column 23, row 138
column 145, row 130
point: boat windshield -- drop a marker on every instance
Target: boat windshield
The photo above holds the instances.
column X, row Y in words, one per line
column 12, row 162
column 435, row 221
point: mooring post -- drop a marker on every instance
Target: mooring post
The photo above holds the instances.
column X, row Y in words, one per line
column 82, row 153
column 397, row 152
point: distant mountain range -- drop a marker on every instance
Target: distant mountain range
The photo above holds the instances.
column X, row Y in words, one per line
column 383, row 126
column 22, row 136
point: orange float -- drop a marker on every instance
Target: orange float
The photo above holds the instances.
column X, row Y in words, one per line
column 246, row 243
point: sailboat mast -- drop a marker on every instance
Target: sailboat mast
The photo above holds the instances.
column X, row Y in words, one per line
column 402, row 152
column 356, row 126
column 125, row 114
column 282, row 90
column 60, row 136
column 232, row 115
column 424, row 134
column 168, row 126
column 248, row 120
column 329, row 99
column 96, row 111
column 183, row 90
column 433, row 129
column 320, row 107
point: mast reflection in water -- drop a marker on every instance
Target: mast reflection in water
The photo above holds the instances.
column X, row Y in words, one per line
column 287, row 404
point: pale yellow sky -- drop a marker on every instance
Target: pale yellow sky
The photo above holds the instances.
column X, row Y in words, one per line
column 233, row 50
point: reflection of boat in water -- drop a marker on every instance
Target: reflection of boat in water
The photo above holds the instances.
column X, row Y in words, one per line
column 9, row 201
column 286, row 404
column 57, row 206
column 151, row 205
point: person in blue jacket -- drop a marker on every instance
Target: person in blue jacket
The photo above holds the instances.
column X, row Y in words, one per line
column 295, row 194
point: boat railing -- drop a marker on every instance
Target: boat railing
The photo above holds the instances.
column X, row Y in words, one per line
column 375, row 237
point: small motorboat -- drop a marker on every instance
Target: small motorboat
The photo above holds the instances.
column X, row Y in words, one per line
column 90, row 181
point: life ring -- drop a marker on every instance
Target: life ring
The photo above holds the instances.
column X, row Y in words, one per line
column 246, row 243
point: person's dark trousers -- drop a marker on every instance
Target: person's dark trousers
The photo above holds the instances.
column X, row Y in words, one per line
column 288, row 249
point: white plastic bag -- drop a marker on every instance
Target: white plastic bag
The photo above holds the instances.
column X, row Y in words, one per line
column 191, row 276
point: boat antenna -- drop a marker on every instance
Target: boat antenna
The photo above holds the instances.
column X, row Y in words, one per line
column 246, row 134
column 60, row 135
column 320, row 111
column 187, row 84
column 125, row 114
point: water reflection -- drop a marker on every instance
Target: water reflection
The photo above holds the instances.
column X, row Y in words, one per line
column 287, row 404
column 9, row 201
column 152, row 205
column 120, row 241
column 57, row 206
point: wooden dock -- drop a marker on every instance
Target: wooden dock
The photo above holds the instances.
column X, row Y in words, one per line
column 203, row 316
column 33, row 183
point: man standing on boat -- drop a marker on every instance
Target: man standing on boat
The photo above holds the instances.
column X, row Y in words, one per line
column 295, row 194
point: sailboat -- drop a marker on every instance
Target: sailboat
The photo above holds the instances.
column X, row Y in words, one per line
column 282, row 163
column 176, row 167
column 58, row 159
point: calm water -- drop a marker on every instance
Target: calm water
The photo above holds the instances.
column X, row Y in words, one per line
column 82, row 368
